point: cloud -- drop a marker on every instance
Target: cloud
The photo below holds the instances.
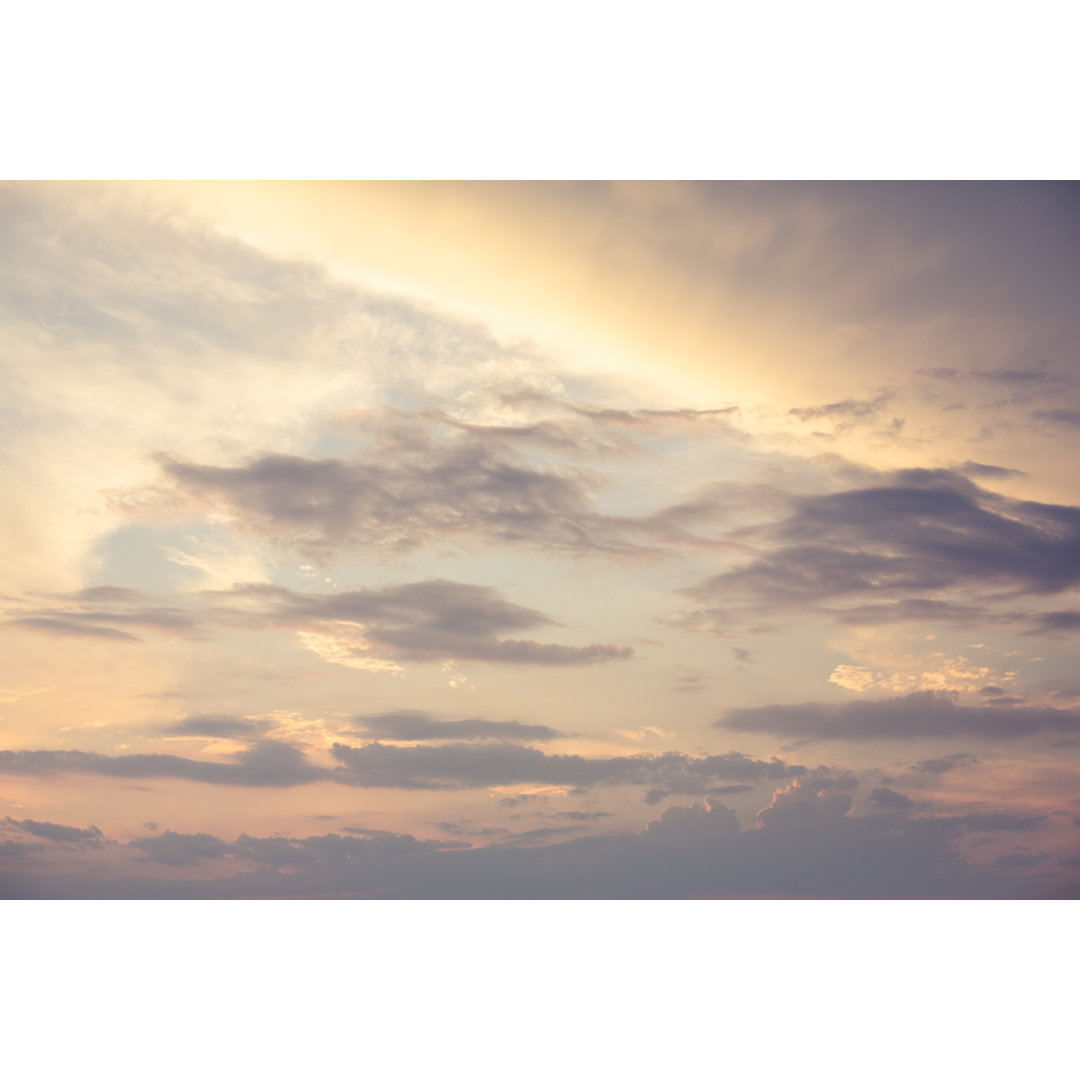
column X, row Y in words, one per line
column 272, row 763
column 12, row 849
column 67, row 628
column 180, row 849
column 1066, row 417
column 85, row 616
column 267, row 763
column 426, row 478
column 463, row 766
column 1010, row 376
column 805, row 845
column 413, row 726
column 1055, row 622
column 989, row 472
column 214, row 726
column 280, row 851
column 923, row 714
column 700, row 821
column 883, row 798
column 945, row 764
column 918, row 532
column 848, row 412
column 426, row 620
column 538, row 836
column 1001, row 822
column 62, row 834
column 798, row 807
column 1019, row 861
column 368, row 629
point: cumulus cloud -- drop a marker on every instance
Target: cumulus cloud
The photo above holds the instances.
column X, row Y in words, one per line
column 700, row 821
column 798, row 806
column 924, row 714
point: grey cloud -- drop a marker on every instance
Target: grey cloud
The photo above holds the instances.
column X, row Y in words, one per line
column 68, row 628
column 464, row 766
column 13, row 849
column 697, row 822
column 215, row 726
column 331, row 848
column 424, row 620
column 361, row 830
column 180, row 849
column 1019, row 861
column 817, row 849
column 946, row 374
column 911, row 610
column 1001, row 822
column 265, row 764
column 977, row 469
column 410, row 725
column 432, row 619
column 1010, row 376
column 457, row 829
column 86, row 620
column 1014, row 375
column 945, row 764
column 920, row 531
column 1067, row 417
column 425, row 479
column 925, row 714
column 63, row 834
column 1055, row 622
column 271, row 763
column 884, row 798
column 801, row 806
column 849, row 411
column 538, row 836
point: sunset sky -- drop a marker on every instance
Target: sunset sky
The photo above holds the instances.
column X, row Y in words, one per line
column 540, row 540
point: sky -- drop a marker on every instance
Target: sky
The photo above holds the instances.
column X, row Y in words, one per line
column 539, row 540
